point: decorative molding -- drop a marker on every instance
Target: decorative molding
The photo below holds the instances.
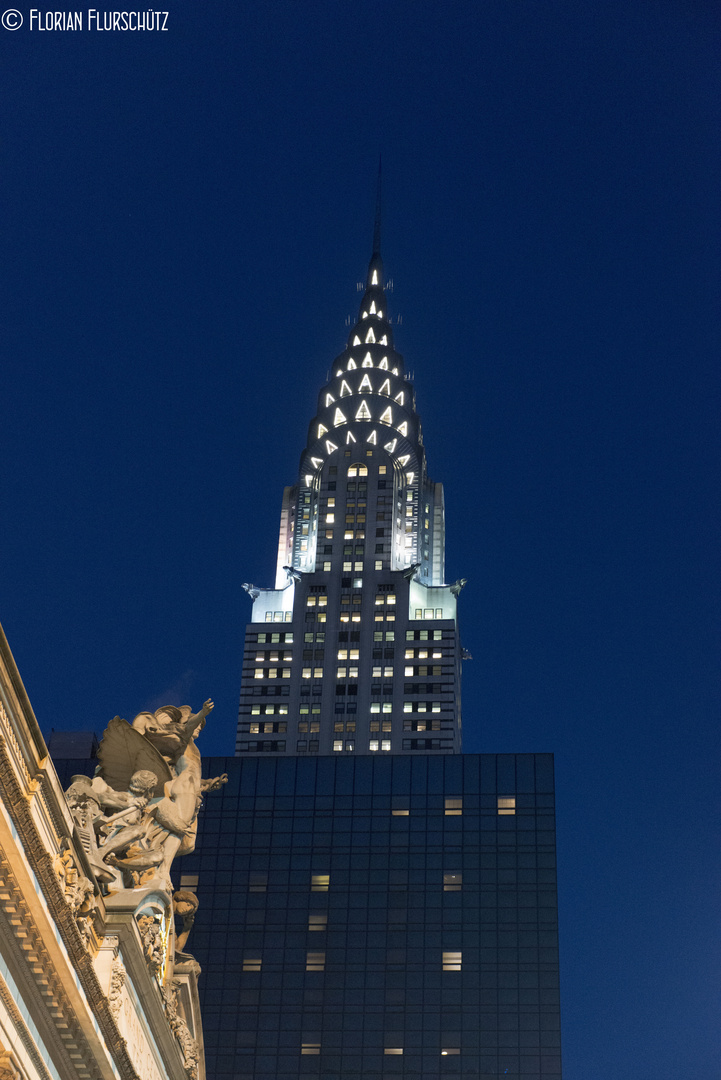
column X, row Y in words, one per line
column 41, row 862
column 8, row 1069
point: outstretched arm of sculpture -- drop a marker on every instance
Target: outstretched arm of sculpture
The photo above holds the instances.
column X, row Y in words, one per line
column 215, row 784
column 197, row 720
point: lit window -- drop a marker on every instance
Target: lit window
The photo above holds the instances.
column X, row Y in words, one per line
column 341, row 673
column 452, row 882
column 337, row 744
column 373, row 744
column 353, row 673
column 326, row 565
column 318, row 673
column 408, row 671
column 393, row 1050
column 387, row 672
column 354, row 654
column 189, row 882
column 305, row 673
column 452, row 961
column 378, row 564
column 252, row 963
column 387, row 706
column 330, row 519
column 448, row 1050
column 342, row 654
column 385, row 744
column 315, row 961
column 381, row 470
column 376, row 673
column 400, row 813
column 310, row 1048
column 317, row 921
column 454, row 807
column 390, row 599
column 363, row 413
column 319, row 882
column 506, row 804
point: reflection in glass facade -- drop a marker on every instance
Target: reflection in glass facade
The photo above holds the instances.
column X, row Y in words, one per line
column 379, row 916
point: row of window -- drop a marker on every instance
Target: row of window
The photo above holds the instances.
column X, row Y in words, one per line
column 269, row 727
column 315, row 960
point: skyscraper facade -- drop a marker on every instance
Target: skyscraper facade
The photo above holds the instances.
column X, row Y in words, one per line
column 356, row 648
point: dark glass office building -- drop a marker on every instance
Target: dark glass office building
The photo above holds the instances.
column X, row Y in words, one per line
column 389, row 916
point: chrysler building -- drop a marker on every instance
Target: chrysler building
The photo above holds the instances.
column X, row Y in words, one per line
column 355, row 650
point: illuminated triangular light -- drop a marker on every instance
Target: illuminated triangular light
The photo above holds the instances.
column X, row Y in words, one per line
column 367, row 362
column 404, row 460
column 365, row 384
column 370, row 336
column 409, row 477
column 356, row 340
column 351, row 365
column 339, row 418
column 372, row 438
column 403, row 428
column 395, row 370
column 364, row 412
column 384, row 364
column 374, row 279
column 345, row 390
column 364, row 314
column 385, row 388
column 390, row 446
column 338, row 372
column 380, row 314
column 383, row 340
column 321, row 430
column 330, row 446
column 329, row 399
column 308, row 479
column 316, row 462
column 400, row 398
column 373, row 307
column 350, row 437
column 386, row 416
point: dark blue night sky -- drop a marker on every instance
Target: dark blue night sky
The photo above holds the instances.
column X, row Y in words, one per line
column 184, row 218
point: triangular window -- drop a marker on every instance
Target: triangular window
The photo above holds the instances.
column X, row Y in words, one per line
column 367, row 361
column 321, row 430
column 403, row 428
column 350, row 437
column 385, row 388
column 374, row 279
column 370, row 336
column 384, row 364
column 345, row 390
column 400, row 398
column 383, row 340
column 386, row 416
column 351, row 365
column 390, row 446
column 373, row 307
column 365, row 384
column 316, row 461
column 364, row 412
column 330, row 446
column 339, row 418
column 329, row 398
column 372, row 438
column 356, row 340
column 404, row 460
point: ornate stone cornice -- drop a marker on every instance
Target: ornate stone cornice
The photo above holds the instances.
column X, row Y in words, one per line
column 8, row 1069
column 16, row 802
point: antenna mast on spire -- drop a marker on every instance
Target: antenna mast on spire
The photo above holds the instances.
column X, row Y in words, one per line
column 377, row 223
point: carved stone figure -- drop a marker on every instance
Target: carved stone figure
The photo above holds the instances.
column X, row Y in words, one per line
column 185, row 905
column 117, row 982
column 140, row 810
column 153, row 945
column 77, row 888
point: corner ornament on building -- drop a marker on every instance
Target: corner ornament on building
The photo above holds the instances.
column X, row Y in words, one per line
column 140, row 809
